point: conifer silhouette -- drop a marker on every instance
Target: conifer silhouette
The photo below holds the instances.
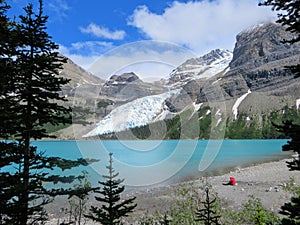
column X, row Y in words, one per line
column 112, row 208
column 208, row 214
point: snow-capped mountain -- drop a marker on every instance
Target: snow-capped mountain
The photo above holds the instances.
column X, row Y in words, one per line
column 136, row 113
column 257, row 63
column 145, row 110
column 203, row 67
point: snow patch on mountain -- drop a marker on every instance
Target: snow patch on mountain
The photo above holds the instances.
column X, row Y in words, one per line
column 218, row 122
column 197, row 106
column 238, row 102
column 218, row 113
column 216, row 81
column 297, row 104
column 137, row 113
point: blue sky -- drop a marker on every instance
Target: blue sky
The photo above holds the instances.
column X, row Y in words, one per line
column 126, row 31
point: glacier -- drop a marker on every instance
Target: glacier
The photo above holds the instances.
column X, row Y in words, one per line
column 137, row 113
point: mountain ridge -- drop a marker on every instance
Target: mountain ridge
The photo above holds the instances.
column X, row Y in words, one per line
column 204, row 66
column 256, row 66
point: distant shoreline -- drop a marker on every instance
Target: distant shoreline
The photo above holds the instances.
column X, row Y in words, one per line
column 218, row 172
column 99, row 139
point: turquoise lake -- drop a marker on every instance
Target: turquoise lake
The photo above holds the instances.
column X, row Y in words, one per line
column 143, row 163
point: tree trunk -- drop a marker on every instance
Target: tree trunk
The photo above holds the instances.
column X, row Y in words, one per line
column 24, row 199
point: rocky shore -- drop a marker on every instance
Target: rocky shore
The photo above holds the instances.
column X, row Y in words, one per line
column 266, row 181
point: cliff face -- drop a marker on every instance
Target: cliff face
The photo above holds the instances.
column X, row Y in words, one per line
column 260, row 45
column 259, row 62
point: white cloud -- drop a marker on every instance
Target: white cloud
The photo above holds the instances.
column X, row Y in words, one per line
column 92, row 47
column 103, row 32
column 85, row 53
column 198, row 25
column 59, row 8
column 151, row 60
column 201, row 25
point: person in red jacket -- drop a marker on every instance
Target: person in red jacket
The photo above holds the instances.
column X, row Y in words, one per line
column 232, row 181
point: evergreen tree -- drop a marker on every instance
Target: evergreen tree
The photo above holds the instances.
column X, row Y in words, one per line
column 7, row 71
column 112, row 208
column 292, row 211
column 36, row 87
column 12, row 186
column 208, row 214
column 292, row 131
column 29, row 96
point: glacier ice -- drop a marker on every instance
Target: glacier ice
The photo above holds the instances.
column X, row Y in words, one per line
column 137, row 113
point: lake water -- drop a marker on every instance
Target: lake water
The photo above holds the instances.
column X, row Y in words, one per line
column 143, row 163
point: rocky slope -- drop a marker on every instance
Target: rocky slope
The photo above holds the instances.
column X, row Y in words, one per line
column 258, row 63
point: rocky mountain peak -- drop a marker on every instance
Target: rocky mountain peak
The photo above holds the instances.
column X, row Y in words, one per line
column 259, row 61
column 261, row 44
column 213, row 57
column 128, row 86
column 205, row 66
column 217, row 54
column 125, row 77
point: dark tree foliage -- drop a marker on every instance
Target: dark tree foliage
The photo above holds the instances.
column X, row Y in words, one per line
column 292, row 131
column 29, row 96
column 12, row 186
column 292, row 211
column 289, row 16
column 7, row 71
column 38, row 65
column 208, row 214
column 112, row 208
column 289, row 11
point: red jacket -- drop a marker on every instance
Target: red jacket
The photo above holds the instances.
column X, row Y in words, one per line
column 232, row 181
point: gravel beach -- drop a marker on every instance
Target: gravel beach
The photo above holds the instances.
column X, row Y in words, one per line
column 265, row 181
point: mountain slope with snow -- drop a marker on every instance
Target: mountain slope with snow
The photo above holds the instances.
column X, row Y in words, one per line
column 136, row 113
column 257, row 63
column 203, row 67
